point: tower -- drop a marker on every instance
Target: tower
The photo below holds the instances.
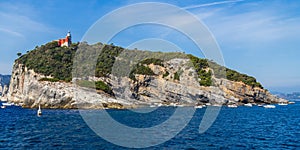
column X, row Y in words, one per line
column 66, row 41
column 69, row 38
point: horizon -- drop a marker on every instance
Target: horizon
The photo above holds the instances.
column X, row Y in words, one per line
column 257, row 38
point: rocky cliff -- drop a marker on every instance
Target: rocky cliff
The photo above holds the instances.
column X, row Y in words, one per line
column 27, row 89
column 172, row 81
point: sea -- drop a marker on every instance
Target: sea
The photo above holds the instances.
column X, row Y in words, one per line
column 235, row 128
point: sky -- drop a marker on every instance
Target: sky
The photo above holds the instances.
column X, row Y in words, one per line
column 260, row 38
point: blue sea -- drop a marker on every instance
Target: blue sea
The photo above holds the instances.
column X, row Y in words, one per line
column 235, row 128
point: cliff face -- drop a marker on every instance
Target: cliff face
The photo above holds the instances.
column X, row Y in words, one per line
column 160, row 89
column 26, row 89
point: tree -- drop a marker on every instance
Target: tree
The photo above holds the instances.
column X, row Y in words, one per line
column 19, row 54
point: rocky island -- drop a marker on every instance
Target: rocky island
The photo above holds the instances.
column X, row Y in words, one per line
column 43, row 76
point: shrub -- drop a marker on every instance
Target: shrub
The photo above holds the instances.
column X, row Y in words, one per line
column 200, row 65
column 154, row 61
column 176, row 76
column 140, row 69
column 99, row 85
column 49, row 79
column 166, row 74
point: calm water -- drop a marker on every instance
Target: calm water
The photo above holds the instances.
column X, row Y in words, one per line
column 235, row 128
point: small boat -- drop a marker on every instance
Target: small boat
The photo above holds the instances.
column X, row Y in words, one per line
column 217, row 105
column 232, row 106
column 159, row 104
column 270, row 106
column 7, row 104
column 291, row 102
column 208, row 104
column 260, row 105
column 248, row 105
column 282, row 104
column 198, row 106
column 39, row 112
column 3, row 107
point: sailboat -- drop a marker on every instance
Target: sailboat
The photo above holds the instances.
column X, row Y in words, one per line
column 39, row 112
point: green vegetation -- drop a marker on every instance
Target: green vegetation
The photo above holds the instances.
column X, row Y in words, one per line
column 50, row 60
column 176, row 76
column 198, row 62
column 99, row 85
column 104, row 87
column 166, row 74
column 218, row 71
column 140, row 69
column 205, row 78
column 19, row 54
column 154, row 61
column 201, row 67
column 107, row 59
column 235, row 76
column 49, row 79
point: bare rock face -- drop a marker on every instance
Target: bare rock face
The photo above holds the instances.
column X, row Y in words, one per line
column 26, row 89
column 160, row 89
column 248, row 94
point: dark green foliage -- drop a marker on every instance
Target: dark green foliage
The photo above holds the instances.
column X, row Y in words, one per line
column 205, row 78
column 236, row 76
column 104, row 87
column 49, row 79
column 198, row 62
column 19, row 54
column 176, row 76
column 99, row 85
column 107, row 59
column 166, row 74
column 50, row 60
column 140, row 69
column 200, row 66
column 219, row 72
column 154, row 61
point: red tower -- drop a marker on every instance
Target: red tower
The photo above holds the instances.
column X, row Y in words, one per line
column 66, row 41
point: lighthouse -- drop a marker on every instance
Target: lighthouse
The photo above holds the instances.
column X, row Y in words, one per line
column 66, row 41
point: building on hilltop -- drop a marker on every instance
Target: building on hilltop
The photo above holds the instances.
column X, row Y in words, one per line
column 66, row 41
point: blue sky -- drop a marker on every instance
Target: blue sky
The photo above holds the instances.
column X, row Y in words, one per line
column 257, row 37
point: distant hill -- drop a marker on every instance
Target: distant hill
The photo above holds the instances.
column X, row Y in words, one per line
column 294, row 95
column 4, row 80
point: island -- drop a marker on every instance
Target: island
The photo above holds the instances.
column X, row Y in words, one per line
column 43, row 76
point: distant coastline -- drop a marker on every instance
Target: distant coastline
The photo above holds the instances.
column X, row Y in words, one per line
column 293, row 95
